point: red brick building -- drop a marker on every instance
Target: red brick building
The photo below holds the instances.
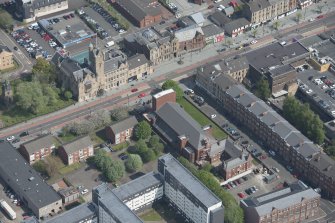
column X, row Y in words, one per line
column 141, row 13
column 77, row 150
column 159, row 99
column 121, row 131
column 235, row 161
column 38, row 148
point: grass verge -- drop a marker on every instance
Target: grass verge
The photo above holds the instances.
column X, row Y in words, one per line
column 203, row 120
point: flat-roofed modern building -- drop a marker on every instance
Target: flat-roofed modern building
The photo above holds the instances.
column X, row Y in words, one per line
column 294, row 203
column 141, row 192
column 188, row 194
column 29, row 10
column 173, row 182
column 27, row 184
column 110, row 209
column 84, row 213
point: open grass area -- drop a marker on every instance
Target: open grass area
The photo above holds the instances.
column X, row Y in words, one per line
column 121, row 146
column 162, row 212
column 16, row 115
column 67, row 138
column 151, row 215
column 98, row 136
column 218, row 133
column 67, row 169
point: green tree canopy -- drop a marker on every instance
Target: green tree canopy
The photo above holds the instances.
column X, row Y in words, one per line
column 40, row 167
column 141, row 146
column 68, row 95
column 304, row 119
column 171, row 84
column 142, row 130
column 119, row 113
column 114, row 171
column 154, row 140
column 262, row 89
column 6, row 20
column 133, row 163
column 44, row 71
column 148, row 156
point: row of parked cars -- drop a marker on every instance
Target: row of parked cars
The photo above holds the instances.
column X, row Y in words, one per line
column 94, row 25
column 10, row 194
column 111, row 20
column 236, row 183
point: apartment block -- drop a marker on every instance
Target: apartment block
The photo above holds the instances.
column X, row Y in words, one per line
column 279, row 135
column 188, row 194
column 295, row 203
column 77, row 150
column 38, row 148
column 173, row 182
column 261, row 11
column 121, row 131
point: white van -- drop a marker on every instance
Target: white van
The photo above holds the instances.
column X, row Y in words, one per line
column 222, row 7
column 109, row 44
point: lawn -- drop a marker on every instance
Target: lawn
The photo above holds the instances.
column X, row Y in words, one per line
column 67, row 169
column 151, row 215
column 67, row 137
column 17, row 115
column 162, row 212
column 120, row 146
column 218, row 133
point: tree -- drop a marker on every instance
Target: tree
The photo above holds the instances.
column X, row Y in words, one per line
column 262, row 89
column 254, row 32
column 119, row 113
column 141, row 146
column 304, row 119
column 171, row 84
column 115, row 171
column 29, row 96
column 100, row 118
column 148, row 156
column 298, row 16
column 154, row 140
column 276, row 24
column 207, row 167
column 319, row 7
column 52, row 165
column 68, row 95
column 133, row 163
column 330, row 150
column 82, row 128
column 6, row 20
column 44, row 72
column 142, row 130
column 40, row 167
column 229, row 42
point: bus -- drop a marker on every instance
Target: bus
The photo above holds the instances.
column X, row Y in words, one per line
column 11, row 213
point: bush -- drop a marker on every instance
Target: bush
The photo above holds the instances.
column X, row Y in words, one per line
column 171, row 84
column 142, row 130
column 133, row 163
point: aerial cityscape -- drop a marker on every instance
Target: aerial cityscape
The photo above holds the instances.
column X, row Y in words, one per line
column 167, row 111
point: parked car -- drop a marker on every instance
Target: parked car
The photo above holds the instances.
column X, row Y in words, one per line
column 141, row 95
column 273, row 153
column 85, row 191
column 134, row 90
column 10, row 138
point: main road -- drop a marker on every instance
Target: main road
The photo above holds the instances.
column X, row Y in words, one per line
column 57, row 119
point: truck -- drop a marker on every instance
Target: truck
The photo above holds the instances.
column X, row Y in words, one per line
column 109, row 44
column 10, row 212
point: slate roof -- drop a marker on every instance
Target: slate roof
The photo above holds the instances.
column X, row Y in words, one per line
column 188, row 33
column 257, row 5
column 78, row 144
column 211, row 30
column 237, row 156
column 280, row 199
column 236, row 24
column 18, row 172
column 325, row 164
column 228, row 10
column 219, row 18
column 182, row 123
column 137, row 60
column 39, row 143
column 124, row 124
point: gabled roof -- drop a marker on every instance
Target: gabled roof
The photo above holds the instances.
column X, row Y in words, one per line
column 182, row 123
column 198, row 18
column 124, row 124
column 78, row 144
column 39, row 143
column 137, row 60
column 211, row 30
column 257, row 5
column 236, row 24
column 219, row 18
column 139, row 9
column 188, row 33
